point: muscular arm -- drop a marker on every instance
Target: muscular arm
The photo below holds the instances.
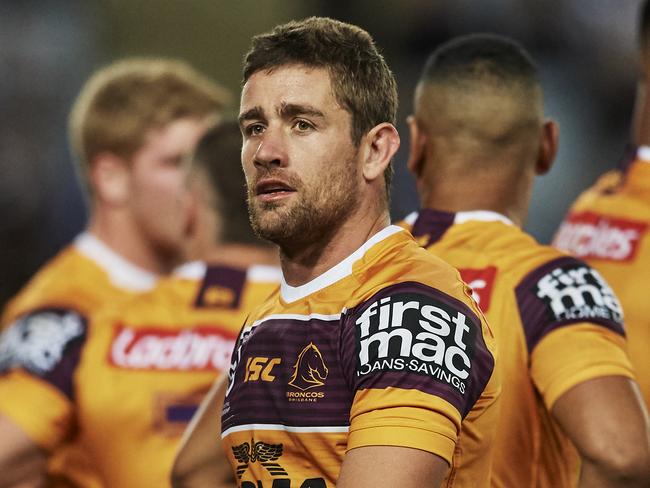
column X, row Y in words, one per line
column 608, row 423
column 22, row 463
column 200, row 461
column 372, row 466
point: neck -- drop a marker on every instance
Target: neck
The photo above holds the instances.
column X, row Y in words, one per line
column 119, row 232
column 461, row 190
column 300, row 266
column 242, row 255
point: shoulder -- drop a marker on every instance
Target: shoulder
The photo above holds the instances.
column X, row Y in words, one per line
column 69, row 280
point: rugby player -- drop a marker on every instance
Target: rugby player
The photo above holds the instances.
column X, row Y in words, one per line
column 151, row 358
column 362, row 368
column 608, row 224
column 478, row 138
column 132, row 127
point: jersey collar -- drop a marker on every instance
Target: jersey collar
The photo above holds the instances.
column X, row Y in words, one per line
column 121, row 272
column 344, row 268
column 435, row 223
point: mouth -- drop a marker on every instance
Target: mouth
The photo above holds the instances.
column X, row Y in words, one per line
column 273, row 189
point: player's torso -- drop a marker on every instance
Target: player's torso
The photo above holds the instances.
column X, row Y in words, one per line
column 493, row 256
column 609, row 227
column 147, row 365
column 72, row 281
column 287, row 413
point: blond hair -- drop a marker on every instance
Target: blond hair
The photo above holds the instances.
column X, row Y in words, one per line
column 123, row 101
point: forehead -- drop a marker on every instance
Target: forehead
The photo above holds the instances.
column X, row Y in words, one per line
column 290, row 84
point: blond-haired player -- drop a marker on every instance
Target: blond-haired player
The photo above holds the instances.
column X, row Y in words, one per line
column 131, row 128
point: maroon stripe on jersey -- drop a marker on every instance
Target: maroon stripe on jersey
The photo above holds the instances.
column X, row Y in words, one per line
column 289, row 372
column 433, row 223
column 562, row 292
column 221, row 287
column 406, row 360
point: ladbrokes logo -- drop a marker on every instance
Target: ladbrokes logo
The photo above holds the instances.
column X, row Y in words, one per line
column 308, row 372
column 592, row 236
column 414, row 332
column 163, row 349
column 577, row 291
column 260, row 452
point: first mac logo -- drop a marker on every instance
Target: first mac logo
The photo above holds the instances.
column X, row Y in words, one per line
column 412, row 332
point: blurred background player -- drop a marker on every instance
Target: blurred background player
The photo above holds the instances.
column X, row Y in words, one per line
column 478, row 138
column 132, row 127
column 151, row 358
column 608, row 225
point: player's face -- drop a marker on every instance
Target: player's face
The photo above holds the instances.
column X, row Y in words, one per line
column 159, row 194
column 301, row 165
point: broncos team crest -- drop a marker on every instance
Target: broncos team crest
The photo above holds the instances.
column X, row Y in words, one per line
column 310, row 370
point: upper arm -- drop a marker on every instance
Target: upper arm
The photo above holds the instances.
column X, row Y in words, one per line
column 22, row 462
column 373, row 466
column 200, row 460
column 606, row 420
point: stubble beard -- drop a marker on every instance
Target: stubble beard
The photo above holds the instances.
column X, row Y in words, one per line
column 319, row 210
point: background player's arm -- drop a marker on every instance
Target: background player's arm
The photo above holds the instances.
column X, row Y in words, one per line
column 201, row 461
column 22, row 462
column 405, row 467
column 606, row 420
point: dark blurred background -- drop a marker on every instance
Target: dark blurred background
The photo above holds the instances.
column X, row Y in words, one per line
column 586, row 50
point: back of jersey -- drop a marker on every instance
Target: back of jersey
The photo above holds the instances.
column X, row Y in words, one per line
column 608, row 227
column 546, row 342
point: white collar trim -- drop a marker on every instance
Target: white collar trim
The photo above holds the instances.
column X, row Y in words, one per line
column 121, row 272
column 643, row 153
column 481, row 215
column 192, row 270
column 293, row 293
column 411, row 218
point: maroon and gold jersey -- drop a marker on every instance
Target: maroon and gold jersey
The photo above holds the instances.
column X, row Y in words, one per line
column 556, row 322
column 121, row 383
column 609, row 227
column 385, row 348
column 43, row 326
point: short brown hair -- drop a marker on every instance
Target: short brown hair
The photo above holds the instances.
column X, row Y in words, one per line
column 218, row 154
column 361, row 80
column 121, row 102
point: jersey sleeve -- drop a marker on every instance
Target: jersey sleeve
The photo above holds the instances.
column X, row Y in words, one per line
column 418, row 364
column 39, row 353
column 573, row 324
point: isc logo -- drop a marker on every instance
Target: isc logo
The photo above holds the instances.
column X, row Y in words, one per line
column 260, row 368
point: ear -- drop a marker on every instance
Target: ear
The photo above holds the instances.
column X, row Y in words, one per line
column 548, row 147
column 110, row 177
column 382, row 143
column 416, row 149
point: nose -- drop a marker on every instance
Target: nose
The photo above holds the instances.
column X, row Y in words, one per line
column 271, row 151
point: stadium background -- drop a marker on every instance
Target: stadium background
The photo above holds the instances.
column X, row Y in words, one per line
column 586, row 50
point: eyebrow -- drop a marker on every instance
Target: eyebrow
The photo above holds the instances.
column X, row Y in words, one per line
column 253, row 113
column 288, row 110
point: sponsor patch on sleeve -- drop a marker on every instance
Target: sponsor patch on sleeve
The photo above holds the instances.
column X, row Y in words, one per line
column 562, row 292
column 46, row 343
column 412, row 336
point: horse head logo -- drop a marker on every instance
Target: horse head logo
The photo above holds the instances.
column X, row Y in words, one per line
column 310, row 370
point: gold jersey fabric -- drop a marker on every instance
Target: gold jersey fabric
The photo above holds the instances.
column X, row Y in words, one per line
column 148, row 363
column 121, row 383
column 556, row 322
column 608, row 226
column 385, row 348
column 46, row 319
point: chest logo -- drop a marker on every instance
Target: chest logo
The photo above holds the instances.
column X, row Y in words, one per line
column 310, row 370
column 261, row 452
